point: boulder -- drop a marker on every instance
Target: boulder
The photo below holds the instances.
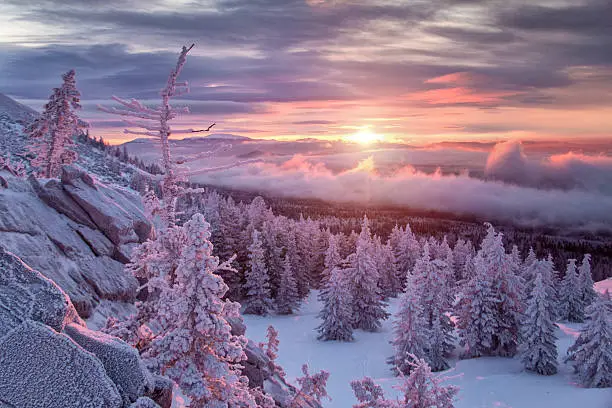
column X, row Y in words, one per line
column 53, row 194
column 113, row 210
column 43, row 368
column 108, row 279
column 144, row 402
column 57, row 237
column 25, row 294
column 97, row 241
column 162, row 391
column 121, row 361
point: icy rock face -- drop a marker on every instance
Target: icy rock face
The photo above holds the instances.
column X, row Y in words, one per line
column 25, row 294
column 80, row 244
column 46, row 349
column 54, row 371
column 121, row 361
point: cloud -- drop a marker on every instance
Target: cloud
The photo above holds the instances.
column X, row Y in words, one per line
column 508, row 162
column 493, row 200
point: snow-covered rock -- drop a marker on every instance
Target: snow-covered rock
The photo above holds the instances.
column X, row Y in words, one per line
column 73, row 242
column 113, row 212
column 121, row 361
column 162, row 391
column 43, row 368
column 25, row 294
column 144, row 402
column 46, row 349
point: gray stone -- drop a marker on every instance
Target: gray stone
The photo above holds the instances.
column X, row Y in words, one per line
column 53, row 194
column 43, row 368
column 97, row 241
column 121, row 361
column 25, row 294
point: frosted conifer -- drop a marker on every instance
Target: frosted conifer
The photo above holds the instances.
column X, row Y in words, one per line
column 287, row 298
column 592, row 352
column 257, row 287
column 51, row 134
column 571, row 306
column 336, row 313
column 538, row 348
column 368, row 307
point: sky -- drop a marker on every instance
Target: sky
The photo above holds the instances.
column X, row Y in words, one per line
column 409, row 71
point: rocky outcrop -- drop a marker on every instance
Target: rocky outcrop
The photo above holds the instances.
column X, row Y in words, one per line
column 25, row 294
column 46, row 350
column 76, row 231
column 44, row 368
column 121, row 361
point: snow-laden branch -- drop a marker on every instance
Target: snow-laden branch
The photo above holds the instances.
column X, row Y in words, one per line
column 125, row 112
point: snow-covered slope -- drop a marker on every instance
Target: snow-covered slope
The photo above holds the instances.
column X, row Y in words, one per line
column 491, row 382
column 14, row 116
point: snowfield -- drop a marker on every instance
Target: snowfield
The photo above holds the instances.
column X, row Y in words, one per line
column 493, row 382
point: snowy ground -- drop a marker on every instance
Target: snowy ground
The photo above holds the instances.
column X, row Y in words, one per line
column 484, row 382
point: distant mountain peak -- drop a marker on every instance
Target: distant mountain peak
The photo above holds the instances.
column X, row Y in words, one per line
column 15, row 111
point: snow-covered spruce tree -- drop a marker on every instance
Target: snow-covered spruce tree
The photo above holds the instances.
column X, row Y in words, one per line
column 257, row 288
column 155, row 122
column 389, row 279
column 370, row 395
column 51, row 133
column 463, row 252
column 195, row 347
column 336, row 314
column 431, row 279
column 592, row 352
column 410, row 330
column 287, row 298
column 271, row 350
column 571, row 307
column 312, row 385
column 332, row 256
column 367, row 305
column 586, row 281
column 507, row 288
column 422, row 389
column 476, row 312
column 538, row 349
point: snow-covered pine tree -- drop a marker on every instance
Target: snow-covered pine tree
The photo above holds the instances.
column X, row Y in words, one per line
column 206, row 365
column 332, row 256
column 463, row 252
column 287, row 298
column 477, row 312
column 586, row 281
column 538, row 349
column 257, row 287
column 422, row 389
column 312, row 385
column 51, row 133
column 571, row 307
column 367, row 305
column 431, row 280
column 411, row 334
column 389, row 278
column 526, row 266
column 155, row 122
column 370, row 395
column 507, row 288
column 592, row 352
column 336, row 314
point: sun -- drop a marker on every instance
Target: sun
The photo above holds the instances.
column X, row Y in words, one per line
column 365, row 137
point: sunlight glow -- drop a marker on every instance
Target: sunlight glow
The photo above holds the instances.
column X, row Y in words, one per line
column 365, row 137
